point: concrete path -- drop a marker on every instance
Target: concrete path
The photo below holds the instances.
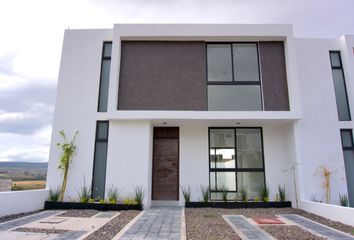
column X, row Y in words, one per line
column 245, row 229
column 317, row 228
column 156, row 223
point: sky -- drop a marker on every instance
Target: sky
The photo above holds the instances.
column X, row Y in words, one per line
column 31, row 34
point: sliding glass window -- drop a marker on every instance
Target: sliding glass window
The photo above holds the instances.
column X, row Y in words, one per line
column 100, row 160
column 340, row 86
column 233, row 77
column 104, row 78
column 236, row 161
column 348, row 153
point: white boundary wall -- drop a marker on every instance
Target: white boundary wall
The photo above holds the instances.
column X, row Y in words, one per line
column 22, row 201
column 333, row 212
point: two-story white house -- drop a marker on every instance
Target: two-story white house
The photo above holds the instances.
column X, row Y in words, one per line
column 224, row 106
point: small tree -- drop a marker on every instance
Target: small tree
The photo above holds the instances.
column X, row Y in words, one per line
column 68, row 151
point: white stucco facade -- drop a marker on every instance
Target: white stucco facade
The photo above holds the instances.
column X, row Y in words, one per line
column 295, row 142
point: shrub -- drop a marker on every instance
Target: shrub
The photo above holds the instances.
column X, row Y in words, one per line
column 186, row 194
column 129, row 201
column 343, row 199
column 244, row 194
column 281, row 191
column 205, row 193
column 101, row 201
column 91, row 200
column 224, row 193
column 139, row 195
column 263, row 192
column 54, row 194
column 84, row 193
column 112, row 195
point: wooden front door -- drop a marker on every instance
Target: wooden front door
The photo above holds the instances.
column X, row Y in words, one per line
column 165, row 176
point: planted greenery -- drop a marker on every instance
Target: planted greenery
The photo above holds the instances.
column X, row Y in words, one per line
column 112, row 195
column 186, row 193
column 281, row 192
column 263, row 193
column 54, row 194
column 139, row 195
column 129, row 201
column 224, row 193
column 68, row 151
column 244, row 194
column 84, row 193
column 205, row 193
column 343, row 199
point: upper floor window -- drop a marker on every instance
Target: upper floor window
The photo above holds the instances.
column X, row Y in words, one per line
column 104, row 78
column 233, row 77
column 339, row 86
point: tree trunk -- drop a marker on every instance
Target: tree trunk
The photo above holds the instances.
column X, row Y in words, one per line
column 63, row 186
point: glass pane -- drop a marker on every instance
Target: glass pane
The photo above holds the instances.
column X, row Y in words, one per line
column 102, row 131
column 234, row 98
column 212, row 181
column 226, row 180
column 219, row 62
column 107, row 50
column 104, row 85
column 222, row 158
column 99, row 172
column 349, row 169
column 335, row 59
column 245, row 62
column 249, row 148
column 341, row 96
column 222, row 138
column 251, row 181
column 347, row 138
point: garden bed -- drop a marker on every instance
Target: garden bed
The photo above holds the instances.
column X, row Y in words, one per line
column 238, row 204
column 96, row 206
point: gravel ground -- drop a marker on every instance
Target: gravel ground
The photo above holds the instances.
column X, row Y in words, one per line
column 15, row 216
column 112, row 228
column 40, row 230
column 206, row 223
column 290, row 233
column 79, row 213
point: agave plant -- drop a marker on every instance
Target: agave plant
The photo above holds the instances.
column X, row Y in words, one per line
column 54, row 194
column 244, row 194
column 139, row 195
column 84, row 193
column 263, row 192
column 112, row 194
column 343, row 199
column 205, row 193
column 186, row 193
column 224, row 193
column 281, row 191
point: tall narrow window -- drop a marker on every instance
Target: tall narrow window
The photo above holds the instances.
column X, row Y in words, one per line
column 100, row 160
column 348, row 153
column 236, row 161
column 104, row 79
column 233, row 77
column 339, row 86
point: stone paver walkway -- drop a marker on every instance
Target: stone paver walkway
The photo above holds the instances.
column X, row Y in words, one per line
column 156, row 223
column 245, row 229
column 317, row 228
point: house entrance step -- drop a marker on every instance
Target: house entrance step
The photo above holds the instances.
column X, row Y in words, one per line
column 164, row 204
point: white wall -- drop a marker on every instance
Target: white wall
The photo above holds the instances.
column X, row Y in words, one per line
column 22, row 201
column 319, row 129
column 129, row 158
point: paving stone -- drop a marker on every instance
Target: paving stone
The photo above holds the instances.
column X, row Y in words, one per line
column 320, row 229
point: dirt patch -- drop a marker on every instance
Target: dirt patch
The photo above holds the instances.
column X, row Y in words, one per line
column 290, row 233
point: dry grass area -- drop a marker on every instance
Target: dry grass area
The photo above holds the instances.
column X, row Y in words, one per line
column 28, row 185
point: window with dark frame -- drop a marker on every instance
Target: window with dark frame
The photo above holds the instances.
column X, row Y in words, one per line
column 233, row 77
column 348, row 154
column 100, row 160
column 104, row 77
column 235, row 161
column 340, row 86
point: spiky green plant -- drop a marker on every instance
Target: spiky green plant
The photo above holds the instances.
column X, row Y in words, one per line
column 224, row 193
column 263, row 192
column 244, row 194
column 343, row 199
column 112, row 194
column 54, row 194
column 139, row 195
column 205, row 193
column 68, row 151
column 84, row 193
column 282, row 193
column 314, row 198
column 186, row 193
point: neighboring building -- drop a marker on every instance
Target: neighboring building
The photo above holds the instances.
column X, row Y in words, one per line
column 220, row 105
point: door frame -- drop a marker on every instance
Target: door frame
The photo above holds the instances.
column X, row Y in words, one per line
column 153, row 162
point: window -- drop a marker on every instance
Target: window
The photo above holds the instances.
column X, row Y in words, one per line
column 235, row 161
column 233, row 77
column 339, row 86
column 348, row 153
column 104, row 79
column 100, row 160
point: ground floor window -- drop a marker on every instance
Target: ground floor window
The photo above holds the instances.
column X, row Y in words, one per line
column 236, row 161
